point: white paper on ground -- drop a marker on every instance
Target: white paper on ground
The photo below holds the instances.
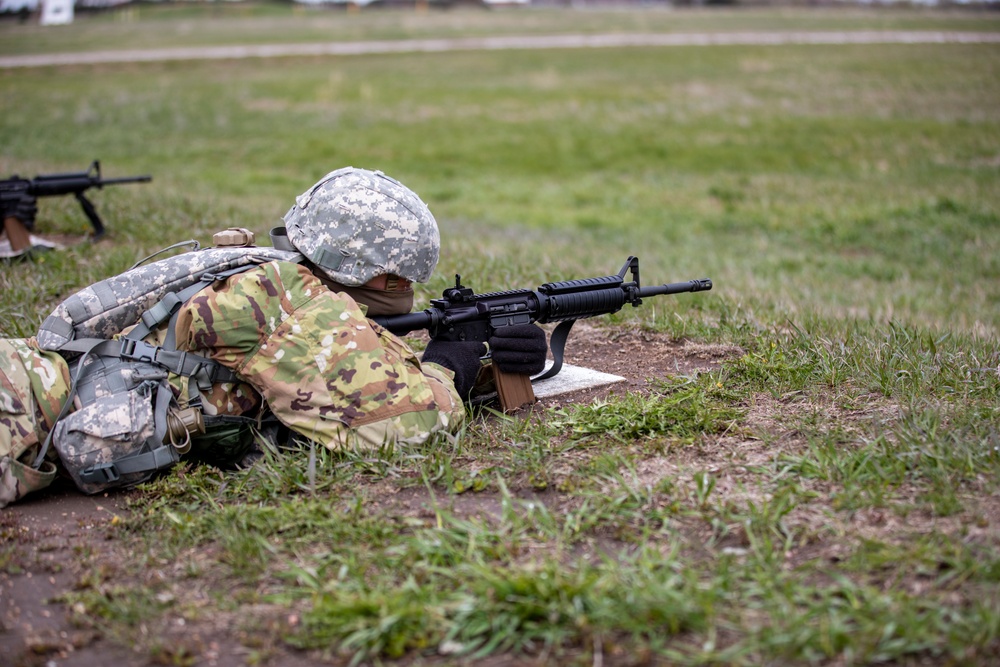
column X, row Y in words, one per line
column 572, row 378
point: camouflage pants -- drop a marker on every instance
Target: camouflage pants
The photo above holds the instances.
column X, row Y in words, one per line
column 33, row 386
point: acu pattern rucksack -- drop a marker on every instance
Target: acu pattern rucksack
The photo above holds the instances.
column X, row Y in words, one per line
column 127, row 424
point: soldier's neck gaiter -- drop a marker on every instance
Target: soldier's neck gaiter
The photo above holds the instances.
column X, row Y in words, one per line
column 379, row 301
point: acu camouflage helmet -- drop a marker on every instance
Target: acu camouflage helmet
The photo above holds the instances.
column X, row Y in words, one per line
column 356, row 224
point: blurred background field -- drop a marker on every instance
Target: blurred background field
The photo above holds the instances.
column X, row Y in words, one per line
column 167, row 24
column 837, row 181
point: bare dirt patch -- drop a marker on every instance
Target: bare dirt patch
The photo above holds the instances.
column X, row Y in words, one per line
column 44, row 538
column 636, row 355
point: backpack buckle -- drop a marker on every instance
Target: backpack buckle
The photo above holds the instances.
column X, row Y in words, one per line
column 100, row 473
column 138, row 350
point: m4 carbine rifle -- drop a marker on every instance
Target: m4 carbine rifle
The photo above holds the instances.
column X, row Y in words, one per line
column 462, row 315
column 13, row 189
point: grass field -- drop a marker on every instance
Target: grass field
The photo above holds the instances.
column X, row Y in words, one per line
column 827, row 494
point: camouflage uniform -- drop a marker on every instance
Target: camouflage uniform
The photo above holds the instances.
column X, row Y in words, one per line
column 324, row 369
column 33, row 386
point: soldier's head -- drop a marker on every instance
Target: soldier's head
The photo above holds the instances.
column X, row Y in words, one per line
column 367, row 233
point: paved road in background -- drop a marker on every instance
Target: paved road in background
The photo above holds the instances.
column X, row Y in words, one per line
column 497, row 44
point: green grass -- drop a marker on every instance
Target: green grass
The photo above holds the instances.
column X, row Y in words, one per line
column 825, row 495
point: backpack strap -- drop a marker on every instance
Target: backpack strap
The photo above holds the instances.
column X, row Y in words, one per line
column 109, row 473
column 187, row 364
column 205, row 371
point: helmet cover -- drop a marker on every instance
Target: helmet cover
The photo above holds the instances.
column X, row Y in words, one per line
column 356, row 224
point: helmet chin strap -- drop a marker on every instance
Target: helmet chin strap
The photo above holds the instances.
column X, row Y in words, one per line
column 389, row 283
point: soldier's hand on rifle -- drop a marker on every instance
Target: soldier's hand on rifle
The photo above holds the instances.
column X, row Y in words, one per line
column 519, row 349
column 463, row 358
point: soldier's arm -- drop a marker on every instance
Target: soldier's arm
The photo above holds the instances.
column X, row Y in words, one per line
column 325, row 370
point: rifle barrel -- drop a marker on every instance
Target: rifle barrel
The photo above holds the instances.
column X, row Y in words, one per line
column 677, row 288
column 127, row 179
column 404, row 324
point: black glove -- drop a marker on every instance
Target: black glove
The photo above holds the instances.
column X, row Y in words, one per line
column 460, row 357
column 24, row 209
column 519, row 349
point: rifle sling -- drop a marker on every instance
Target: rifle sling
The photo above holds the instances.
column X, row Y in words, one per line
column 557, row 343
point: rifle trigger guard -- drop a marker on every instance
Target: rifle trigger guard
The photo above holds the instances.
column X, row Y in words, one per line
column 557, row 343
